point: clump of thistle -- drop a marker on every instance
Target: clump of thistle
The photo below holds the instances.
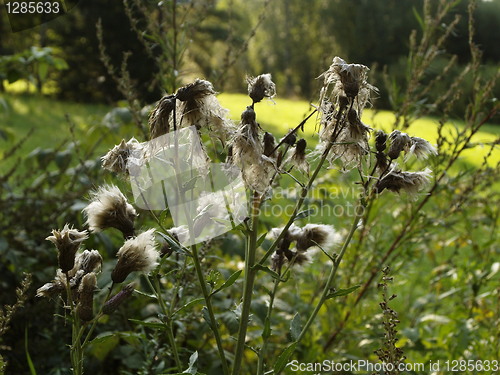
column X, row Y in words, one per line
column 261, row 87
column 410, row 182
column 298, row 158
column 344, row 95
column 136, row 254
column 389, row 353
column 304, row 238
column 84, row 308
column 159, row 119
column 109, row 208
column 67, row 242
column 248, row 152
column 117, row 158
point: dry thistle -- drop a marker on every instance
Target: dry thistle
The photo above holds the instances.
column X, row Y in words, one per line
column 136, row 254
column 84, row 308
column 298, row 158
column 116, row 159
column 421, row 148
column 67, row 242
column 261, row 87
column 159, row 119
column 399, row 142
column 410, row 182
column 109, row 209
column 88, row 261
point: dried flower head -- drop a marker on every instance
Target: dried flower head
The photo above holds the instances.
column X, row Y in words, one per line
column 248, row 153
column 88, row 261
column 346, row 80
column 136, row 254
column 351, row 145
column 410, row 182
column 261, row 87
column 269, row 144
column 380, row 141
column 54, row 288
column 114, row 302
column 316, row 235
column 109, row 209
column 159, row 119
column 84, row 308
column 399, row 142
column 195, row 90
column 421, row 148
column 298, row 157
column 199, row 107
column 67, row 242
column 116, row 159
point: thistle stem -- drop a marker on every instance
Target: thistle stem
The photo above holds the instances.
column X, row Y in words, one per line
column 248, row 283
column 170, row 334
column 213, row 322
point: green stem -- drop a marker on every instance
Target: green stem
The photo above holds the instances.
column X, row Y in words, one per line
column 213, row 323
column 170, row 334
column 298, row 205
column 76, row 352
column 248, row 284
column 333, row 272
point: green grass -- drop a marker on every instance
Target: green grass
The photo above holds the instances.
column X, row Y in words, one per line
column 50, row 119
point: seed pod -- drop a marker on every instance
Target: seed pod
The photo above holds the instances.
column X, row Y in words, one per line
column 84, row 308
column 114, row 302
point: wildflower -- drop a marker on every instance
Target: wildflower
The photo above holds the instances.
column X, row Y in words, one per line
column 109, row 209
column 159, row 119
column 380, row 141
column 269, row 144
column 298, row 158
column 248, row 153
column 261, row 87
column 196, row 90
column 346, row 80
column 352, row 142
column 399, row 142
column 316, row 235
column 67, row 242
column 84, row 308
column 136, row 254
column 54, row 288
column 88, row 261
column 199, row 107
column 397, row 180
column 116, row 159
column 421, row 148
column 114, row 302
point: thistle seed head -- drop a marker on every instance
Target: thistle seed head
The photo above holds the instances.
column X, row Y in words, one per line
column 67, row 242
column 86, row 290
column 136, row 254
column 110, row 209
column 159, row 119
column 261, row 87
